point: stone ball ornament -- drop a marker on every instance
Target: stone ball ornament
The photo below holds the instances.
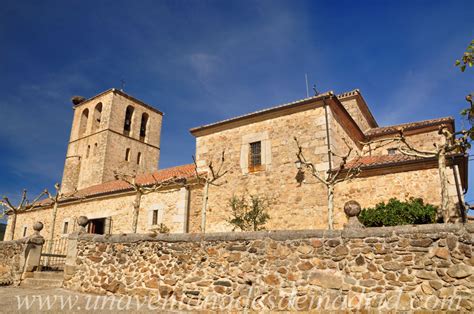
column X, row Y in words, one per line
column 38, row 226
column 82, row 221
column 352, row 208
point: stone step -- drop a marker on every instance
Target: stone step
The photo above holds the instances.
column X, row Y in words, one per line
column 57, row 275
column 45, row 279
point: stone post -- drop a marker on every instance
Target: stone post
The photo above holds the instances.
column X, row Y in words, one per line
column 70, row 265
column 32, row 253
column 352, row 210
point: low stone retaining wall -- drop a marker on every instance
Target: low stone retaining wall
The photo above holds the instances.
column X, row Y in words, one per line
column 11, row 262
column 423, row 267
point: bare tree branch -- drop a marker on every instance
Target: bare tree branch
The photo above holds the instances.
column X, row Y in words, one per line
column 332, row 178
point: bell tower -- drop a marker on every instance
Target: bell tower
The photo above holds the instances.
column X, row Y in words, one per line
column 111, row 131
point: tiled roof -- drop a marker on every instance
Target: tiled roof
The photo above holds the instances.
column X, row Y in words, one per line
column 296, row 102
column 407, row 126
column 370, row 161
column 349, row 94
column 116, row 186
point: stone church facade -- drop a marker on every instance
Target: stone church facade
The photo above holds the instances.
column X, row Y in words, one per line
column 115, row 132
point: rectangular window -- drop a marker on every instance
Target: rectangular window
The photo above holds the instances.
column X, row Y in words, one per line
column 255, row 156
column 96, row 226
column 154, row 220
column 65, row 227
column 392, row 151
column 25, row 228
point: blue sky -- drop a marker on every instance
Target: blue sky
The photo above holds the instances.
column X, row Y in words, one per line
column 202, row 61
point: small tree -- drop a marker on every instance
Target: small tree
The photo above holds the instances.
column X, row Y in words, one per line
column 209, row 178
column 249, row 216
column 141, row 189
column 22, row 206
column 331, row 177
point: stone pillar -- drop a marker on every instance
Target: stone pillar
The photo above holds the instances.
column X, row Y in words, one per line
column 352, row 210
column 70, row 265
column 32, row 253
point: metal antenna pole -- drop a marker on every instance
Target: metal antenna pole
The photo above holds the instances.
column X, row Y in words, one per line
column 307, row 90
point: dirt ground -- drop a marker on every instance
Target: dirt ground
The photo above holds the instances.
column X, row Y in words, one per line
column 58, row 300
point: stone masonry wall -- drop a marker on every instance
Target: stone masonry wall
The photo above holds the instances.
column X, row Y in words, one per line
column 117, row 207
column 371, row 190
column 11, row 261
column 411, row 267
column 292, row 203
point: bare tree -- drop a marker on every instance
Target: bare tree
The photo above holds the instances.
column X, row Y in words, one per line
column 451, row 143
column 329, row 178
column 22, row 206
column 209, row 178
column 141, row 189
column 58, row 195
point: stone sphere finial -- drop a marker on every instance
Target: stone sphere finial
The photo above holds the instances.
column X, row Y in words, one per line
column 38, row 226
column 352, row 208
column 82, row 221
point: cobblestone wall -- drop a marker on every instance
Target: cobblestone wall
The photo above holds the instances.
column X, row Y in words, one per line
column 11, row 261
column 424, row 267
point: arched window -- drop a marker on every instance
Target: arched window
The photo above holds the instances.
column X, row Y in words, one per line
column 97, row 116
column 95, row 149
column 127, row 154
column 83, row 122
column 127, row 125
column 143, row 126
column 139, row 158
column 88, row 151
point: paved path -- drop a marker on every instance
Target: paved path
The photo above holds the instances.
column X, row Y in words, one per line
column 58, row 300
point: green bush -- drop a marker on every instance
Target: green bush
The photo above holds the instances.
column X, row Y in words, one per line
column 395, row 212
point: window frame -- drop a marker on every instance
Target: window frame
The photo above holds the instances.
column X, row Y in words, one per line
column 254, row 156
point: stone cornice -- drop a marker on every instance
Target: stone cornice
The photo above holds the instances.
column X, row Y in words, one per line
column 283, row 235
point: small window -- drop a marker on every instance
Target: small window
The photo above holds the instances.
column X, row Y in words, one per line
column 139, row 158
column 95, row 149
column 25, row 229
column 154, row 220
column 65, row 227
column 255, row 156
column 88, row 151
column 392, row 151
column 127, row 154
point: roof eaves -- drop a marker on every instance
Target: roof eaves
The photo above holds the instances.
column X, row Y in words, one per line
column 408, row 126
column 365, row 110
column 262, row 112
column 122, row 93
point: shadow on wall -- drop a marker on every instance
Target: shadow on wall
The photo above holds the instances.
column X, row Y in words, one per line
column 3, row 227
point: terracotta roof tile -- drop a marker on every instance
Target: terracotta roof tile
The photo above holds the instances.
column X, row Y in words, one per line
column 116, row 186
column 369, row 161
column 407, row 126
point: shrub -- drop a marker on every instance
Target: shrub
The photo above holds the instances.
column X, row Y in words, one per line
column 396, row 213
column 249, row 216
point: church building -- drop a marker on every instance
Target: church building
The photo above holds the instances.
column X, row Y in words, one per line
column 115, row 135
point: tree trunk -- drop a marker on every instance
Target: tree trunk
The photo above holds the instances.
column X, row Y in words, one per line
column 12, row 237
column 53, row 223
column 51, row 230
column 330, row 207
column 204, row 207
column 136, row 210
column 444, row 187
